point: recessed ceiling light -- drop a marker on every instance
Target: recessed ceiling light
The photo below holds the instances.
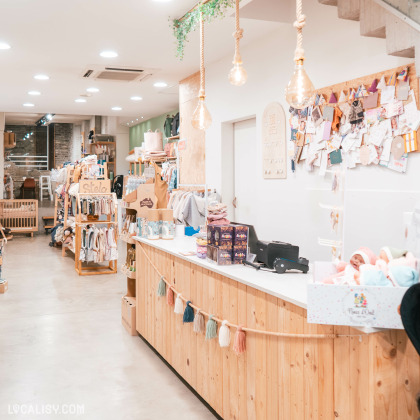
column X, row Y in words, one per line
column 116, row 108
column 137, row 119
column 28, row 104
column 136, row 98
column 80, row 100
column 4, row 46
column 108, row 54
column 142, row 117
column 41, row 77
column 160, row 84
column 128, row 124
column 92, row 90
column 34, row 93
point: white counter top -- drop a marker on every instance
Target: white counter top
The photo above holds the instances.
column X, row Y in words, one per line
column 290, row 287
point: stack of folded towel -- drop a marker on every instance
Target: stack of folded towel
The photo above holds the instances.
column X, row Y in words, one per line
column 217, row 214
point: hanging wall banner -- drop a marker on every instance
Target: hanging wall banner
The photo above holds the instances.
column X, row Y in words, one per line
column 274, row 142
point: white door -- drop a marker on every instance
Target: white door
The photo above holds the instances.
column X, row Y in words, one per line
column 245, row 160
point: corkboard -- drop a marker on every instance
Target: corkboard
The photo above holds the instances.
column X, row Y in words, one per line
column 192, row 165
column 367, row 81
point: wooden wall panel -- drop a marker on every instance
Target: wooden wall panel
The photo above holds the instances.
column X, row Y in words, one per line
column 192, row 160
column 376, row 378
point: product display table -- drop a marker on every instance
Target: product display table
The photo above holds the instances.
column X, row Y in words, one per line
column 350, row 376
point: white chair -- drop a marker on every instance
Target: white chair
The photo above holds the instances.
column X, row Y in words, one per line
column 45, row 185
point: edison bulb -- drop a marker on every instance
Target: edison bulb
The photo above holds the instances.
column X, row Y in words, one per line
column 237, row 75
column 300, row 90
column 201, row 119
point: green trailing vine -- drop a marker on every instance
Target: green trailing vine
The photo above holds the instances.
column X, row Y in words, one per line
column 189, row 22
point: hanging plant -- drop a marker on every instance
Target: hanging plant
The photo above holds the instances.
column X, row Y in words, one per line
column 190, row 21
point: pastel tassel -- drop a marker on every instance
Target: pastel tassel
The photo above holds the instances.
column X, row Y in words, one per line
column 239, row 342
column 188, row 313
column 211, row 328
column 199, row 325
column 179, row 307
column 170, row 296
column 224, row 335
column 161, row 290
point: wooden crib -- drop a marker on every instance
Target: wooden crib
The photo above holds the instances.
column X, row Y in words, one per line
column 21, row 216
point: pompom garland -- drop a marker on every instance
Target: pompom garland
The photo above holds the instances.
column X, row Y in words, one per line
column 161, row 290
column 224, row 335
column 211, row 328
column 170, row 296
column 239, row 342
column 188, row 313
column 199, row 324
column 179, row 306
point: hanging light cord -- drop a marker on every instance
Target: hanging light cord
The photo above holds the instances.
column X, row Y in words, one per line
column 299, row 24
column 202, row 93
column 238, row 34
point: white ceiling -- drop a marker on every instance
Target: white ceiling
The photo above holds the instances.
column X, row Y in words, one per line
column 62, row 39
column 20, row 118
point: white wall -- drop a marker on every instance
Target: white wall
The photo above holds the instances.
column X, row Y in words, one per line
column 288, row 209
column 2, row 124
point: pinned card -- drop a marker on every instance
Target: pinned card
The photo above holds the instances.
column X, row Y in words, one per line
column 310, row 127
column 359, row 93
column 293, row 134
column 342, row 97
column 308, row 138
column 317, row 116
column 345, row 129
column 381, row 83
column 345, row 109
column 398, row 165
column 394, row 108
column 397, row 147
column 387, row 94
column 327, row 130
column 412, row 116
column 386, row 149
column 393, row 80
column 364, row 155
column 336, row 141
column 411, row 142
column 333, row 99
column 373, row 86
column 402, row 75
column 403, row 90
column 371, row 101
column 329, row 113
column 324, row 163
column 335, row 157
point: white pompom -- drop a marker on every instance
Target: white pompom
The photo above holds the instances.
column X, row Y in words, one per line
column 224, row 335
column 179, row 306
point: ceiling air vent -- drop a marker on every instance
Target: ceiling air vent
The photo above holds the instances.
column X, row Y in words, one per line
column 118, row 74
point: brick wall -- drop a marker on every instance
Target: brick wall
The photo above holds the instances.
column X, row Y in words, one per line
column 63, row 143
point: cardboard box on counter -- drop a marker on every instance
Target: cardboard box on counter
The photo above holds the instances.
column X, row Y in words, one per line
column 239, row 254
column 219, row 255
column 223, row 236
column 4, row 287
column 240, row 235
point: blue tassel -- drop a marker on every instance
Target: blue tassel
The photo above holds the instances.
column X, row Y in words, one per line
column 211, row 328
column 188, row 313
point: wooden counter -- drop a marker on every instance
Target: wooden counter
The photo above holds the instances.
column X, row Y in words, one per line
column 375, row 378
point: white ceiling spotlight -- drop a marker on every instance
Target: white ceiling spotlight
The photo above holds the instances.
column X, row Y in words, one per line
column 108, row 54
column 116, row 108
column 80, row 100
column 4, row 46
column 92, row 90
column 160, row 84
column 34, row 93
column 41, row 77
column 27, row 104
column 136, row 98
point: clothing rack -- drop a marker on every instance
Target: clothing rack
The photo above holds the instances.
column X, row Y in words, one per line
column 87, row 270
column 206, row 191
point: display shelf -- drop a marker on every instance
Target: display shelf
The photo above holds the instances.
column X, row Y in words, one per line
column 173, row 138
column 130, row 274
column 128, row 239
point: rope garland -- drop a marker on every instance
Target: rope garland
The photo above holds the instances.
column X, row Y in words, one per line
column 240, row 327
column 299, row 23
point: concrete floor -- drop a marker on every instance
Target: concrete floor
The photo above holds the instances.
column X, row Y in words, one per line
column 62, row 342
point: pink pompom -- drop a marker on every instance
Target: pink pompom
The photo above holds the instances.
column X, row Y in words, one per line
column 170, row 296
column 239, row 342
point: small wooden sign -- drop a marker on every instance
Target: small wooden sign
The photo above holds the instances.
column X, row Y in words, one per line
column 95, row 186
column 274, row 142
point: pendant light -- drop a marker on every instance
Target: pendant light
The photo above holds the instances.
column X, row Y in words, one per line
column 201, row 119
column 237, row 75
column 300, row 90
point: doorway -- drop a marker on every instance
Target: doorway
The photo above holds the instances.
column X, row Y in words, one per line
column 244, row 161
